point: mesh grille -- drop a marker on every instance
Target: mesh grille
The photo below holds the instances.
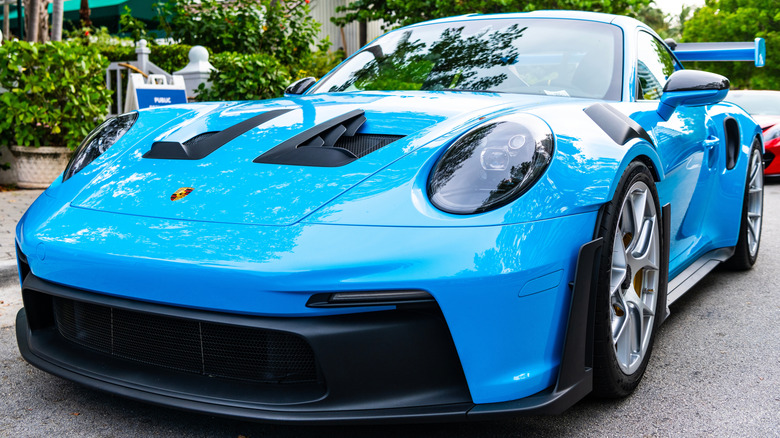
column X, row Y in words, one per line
column 198, row 137
column 212, row 349
column 363, row 144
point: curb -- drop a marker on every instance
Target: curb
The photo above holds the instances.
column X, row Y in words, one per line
column 8, row 275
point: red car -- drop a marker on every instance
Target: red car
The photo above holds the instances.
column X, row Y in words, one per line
column 764, row 106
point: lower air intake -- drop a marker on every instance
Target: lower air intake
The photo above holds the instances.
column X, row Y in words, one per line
column 206, row 348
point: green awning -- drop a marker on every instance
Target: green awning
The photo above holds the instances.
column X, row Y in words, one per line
column 75, row 5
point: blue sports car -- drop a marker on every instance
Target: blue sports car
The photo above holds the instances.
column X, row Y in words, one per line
column 469, row 217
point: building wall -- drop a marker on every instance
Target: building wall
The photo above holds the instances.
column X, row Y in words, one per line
column 322, row 10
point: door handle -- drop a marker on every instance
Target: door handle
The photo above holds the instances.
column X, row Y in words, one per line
column 710, row 144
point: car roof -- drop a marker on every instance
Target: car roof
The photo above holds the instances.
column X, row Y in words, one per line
column 618, row 20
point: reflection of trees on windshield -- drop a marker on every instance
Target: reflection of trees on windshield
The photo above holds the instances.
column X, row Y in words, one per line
column 451, row 62
column 403, row 69
column 654, row 66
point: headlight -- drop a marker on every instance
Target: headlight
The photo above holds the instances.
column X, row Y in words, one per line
column 772, row 133
column 491, row 165
column 100, row 139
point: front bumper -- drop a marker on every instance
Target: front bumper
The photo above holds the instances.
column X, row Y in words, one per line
column 396, row 365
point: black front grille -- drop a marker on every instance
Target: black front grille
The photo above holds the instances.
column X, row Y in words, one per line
column 206, row 348
column 363, row 144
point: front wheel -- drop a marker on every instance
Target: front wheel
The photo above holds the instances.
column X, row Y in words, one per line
column 628, row 285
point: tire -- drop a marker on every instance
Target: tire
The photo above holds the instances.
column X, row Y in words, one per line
column 746, row 251
column 628, row 284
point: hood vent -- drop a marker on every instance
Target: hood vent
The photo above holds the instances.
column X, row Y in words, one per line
column 332, row 143
column 199, row 137
column 363, row 144
column 202, row 145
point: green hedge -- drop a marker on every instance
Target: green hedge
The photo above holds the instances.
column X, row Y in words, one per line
column 244, row 77
column 259, row 76
column 56, row 93
column 170, row 58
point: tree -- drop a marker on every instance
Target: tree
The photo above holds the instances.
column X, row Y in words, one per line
column 58, row 9
column 36, row 17
column 84, row 13
column 739, row 20
column 655, row 18
column 403, row 12
column 280, row 28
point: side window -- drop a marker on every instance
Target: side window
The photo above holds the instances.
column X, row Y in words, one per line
column 654, row 65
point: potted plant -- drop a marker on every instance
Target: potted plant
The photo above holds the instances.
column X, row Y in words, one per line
column 55, row 95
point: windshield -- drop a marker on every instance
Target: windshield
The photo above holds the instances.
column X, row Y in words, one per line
column 530, row 56
column 766, row 103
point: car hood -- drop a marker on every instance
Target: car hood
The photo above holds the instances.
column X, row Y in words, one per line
column 228, row 186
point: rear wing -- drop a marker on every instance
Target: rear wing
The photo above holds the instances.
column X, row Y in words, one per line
column 749, row 51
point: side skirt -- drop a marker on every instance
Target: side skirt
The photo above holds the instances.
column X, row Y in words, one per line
column 688, row 278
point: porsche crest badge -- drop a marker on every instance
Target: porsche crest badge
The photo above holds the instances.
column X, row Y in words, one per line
column 182, row 192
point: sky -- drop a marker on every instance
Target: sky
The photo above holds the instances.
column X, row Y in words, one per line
column 674, row 6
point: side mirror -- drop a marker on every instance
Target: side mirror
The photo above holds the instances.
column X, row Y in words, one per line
column 300, row 86
column 691, row 87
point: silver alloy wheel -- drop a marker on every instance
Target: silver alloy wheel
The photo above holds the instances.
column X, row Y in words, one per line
column 636, row 255
column 755, row 202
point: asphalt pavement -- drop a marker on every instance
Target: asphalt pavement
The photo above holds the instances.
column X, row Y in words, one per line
column 715, row 371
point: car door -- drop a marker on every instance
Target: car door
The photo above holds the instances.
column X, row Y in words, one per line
column 687, row 144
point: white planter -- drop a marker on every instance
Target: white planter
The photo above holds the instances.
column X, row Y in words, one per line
column 36, row 168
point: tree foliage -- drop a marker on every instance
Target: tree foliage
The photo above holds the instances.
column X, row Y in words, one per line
column 56, row 93
column 279, row 28
column 403, row 12
column 739, row 20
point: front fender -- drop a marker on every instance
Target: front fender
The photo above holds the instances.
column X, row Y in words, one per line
column 581, row 177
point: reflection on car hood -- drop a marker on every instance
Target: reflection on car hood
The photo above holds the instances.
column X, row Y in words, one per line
column 227, row 186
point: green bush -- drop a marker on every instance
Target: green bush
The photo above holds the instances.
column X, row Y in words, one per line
column 170, row 58
column 319, row 63
column 244, row 77
column 118, row 53
column 56, row 93
column 259, row 76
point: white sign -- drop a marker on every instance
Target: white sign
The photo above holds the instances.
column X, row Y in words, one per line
column 154, row 91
